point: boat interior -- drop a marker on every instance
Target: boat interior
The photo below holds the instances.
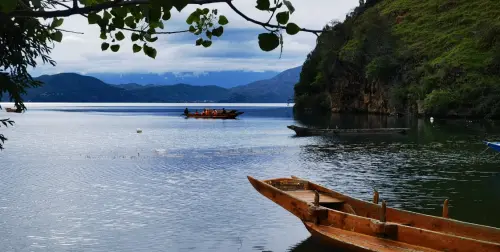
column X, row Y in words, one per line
column 317, row 195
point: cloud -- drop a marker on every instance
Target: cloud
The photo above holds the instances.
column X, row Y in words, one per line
column 237, row 49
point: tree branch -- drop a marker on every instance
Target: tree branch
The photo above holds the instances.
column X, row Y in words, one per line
column 264, row 24
column 93, row 8
column 171, row 32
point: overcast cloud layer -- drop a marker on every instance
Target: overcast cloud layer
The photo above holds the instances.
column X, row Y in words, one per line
column 236, row 50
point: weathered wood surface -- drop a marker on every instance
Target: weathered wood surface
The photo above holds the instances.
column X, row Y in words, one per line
column 438, row 224
column 308, row 196
column 302, row 131
column 359, row 242
column 377, row 221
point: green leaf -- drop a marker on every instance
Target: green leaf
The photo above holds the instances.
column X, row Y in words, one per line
column 149, row 51
column 167, row 5
column 57, row 36
column 93, row 18
column 223, row 20
column 263, row 5
column 150, row 39
column 289, row 6
column 119, row 12
column 154, row 14
column 166, row 15
column 180, row 4
column 56, row 22
column 119, row 36
column 206, row 43
column 118, row 22
column 136, row 48
column 130, row 22
column 115, row 48
column 192, row 29
column 136, row 12
column 193, row 17
column 268, row 41
column 283, row 17
column 36, row 3
column 206, row 11
column 103, row 35
column 135, row 37
column 8, row 5
column 106, row 15
column 104, row 46
column 292, row 28
column 209, row 34
column 199, row 41
column 218, row 31
column 214, row 11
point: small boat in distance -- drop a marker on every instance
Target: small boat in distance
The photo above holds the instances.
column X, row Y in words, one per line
column 302, row 131
column 213, row 114
column 493, row 145
column 357, row 225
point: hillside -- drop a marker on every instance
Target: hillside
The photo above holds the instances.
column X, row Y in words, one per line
column 181, row 93
column 72, row 87
column 276, row 89
column 225, row 79
column 431, row 57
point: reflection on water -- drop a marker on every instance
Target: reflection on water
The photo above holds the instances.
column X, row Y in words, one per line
column 86, row 181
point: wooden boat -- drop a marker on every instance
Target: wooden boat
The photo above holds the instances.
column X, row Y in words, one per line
column 301, row 131
column 363, row 226
column 218, row 116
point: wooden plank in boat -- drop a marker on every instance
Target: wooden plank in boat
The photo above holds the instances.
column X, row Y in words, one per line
column 308, row 196
column 362, row 242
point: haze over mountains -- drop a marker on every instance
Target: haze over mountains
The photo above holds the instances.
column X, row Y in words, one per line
column 72, row 87
column 225, row 79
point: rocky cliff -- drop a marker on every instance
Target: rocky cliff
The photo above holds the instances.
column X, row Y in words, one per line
column 440, row 58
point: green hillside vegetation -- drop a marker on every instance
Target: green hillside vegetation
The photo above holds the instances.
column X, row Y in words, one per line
column 403, row 56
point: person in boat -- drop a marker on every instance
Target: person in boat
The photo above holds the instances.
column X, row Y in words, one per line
column 214, row 113
column 196, row 112
column 186, row 111
column 223, row 111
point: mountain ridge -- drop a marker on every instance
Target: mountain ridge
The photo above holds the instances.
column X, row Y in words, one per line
column 74, row 87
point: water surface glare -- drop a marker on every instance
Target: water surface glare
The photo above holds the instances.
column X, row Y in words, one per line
column 79, row 177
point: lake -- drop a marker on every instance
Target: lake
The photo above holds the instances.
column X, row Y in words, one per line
column 77, row 177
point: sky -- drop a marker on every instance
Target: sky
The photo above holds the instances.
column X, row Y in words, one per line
column 236, row 50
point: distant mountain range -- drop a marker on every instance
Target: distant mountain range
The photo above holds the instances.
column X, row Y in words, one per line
column 72, row 87
column 225, row 79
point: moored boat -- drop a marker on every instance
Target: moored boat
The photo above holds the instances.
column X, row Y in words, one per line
column 493, row 145
column 220, row 115
column 358, row 225
column 302, row 131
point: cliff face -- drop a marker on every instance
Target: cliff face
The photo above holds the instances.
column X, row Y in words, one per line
column 440, row 58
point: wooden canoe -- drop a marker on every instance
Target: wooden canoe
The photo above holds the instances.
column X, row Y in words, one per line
column 302, row 131
column 358, row 225
column 218, row 116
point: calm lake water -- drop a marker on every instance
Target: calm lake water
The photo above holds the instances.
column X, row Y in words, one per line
column 79, row 177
